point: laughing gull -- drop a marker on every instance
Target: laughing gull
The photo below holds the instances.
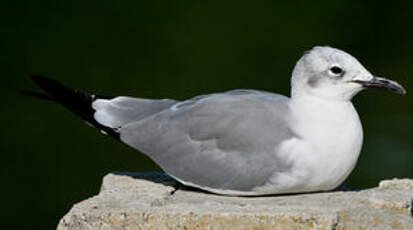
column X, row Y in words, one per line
column 245, row 142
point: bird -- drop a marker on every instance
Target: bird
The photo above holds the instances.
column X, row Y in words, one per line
column 244, row 142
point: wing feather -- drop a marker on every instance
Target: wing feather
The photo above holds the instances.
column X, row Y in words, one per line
column 221, row 141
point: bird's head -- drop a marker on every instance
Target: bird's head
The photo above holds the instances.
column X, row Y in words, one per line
column 333, row 74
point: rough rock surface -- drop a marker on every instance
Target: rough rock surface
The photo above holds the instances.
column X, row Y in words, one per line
column 148, row 201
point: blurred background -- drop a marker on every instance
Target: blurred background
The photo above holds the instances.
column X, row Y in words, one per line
column 178, row 49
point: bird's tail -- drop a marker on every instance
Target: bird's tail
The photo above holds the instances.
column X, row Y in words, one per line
column 80, row 103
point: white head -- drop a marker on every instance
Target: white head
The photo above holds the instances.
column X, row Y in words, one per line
column 333, row 74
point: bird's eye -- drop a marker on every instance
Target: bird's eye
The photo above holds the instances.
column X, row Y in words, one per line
column 336, row 70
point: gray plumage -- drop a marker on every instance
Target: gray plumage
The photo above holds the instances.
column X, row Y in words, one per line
column 210, row 140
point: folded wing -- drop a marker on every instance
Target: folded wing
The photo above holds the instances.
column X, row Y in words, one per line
column 217, row 142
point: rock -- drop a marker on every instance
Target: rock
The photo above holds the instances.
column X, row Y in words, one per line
column 150, row 201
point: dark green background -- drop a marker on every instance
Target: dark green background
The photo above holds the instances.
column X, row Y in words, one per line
column 178, row 49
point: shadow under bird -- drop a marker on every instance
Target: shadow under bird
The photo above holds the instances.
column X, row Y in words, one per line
column 245, row 142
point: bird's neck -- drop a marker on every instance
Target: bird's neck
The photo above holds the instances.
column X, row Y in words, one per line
column 318, row 117
column 305, row 97
column 316, row 107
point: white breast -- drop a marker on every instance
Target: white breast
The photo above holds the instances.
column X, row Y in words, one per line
column 326, row 150
column 331, row 137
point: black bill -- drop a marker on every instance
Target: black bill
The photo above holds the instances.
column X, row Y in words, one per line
column 384, row 83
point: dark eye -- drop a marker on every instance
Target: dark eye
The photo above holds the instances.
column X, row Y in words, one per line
column 336, row 70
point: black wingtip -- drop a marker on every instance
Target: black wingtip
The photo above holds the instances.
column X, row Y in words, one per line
column 52, row 87
column 76, row 101
column 41, row 80
column 36, row 95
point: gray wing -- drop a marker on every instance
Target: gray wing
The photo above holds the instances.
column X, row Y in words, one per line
column 221, row 141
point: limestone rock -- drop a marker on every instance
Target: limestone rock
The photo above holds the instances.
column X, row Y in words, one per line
column 148, row 201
